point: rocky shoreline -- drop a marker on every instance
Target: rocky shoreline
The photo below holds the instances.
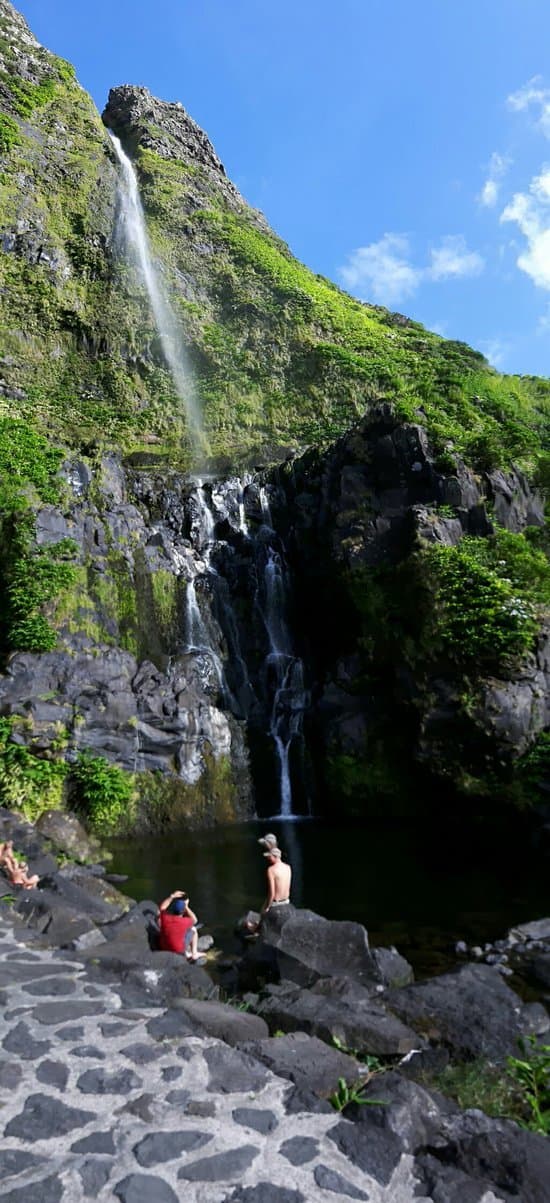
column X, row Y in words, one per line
column 126, row 1074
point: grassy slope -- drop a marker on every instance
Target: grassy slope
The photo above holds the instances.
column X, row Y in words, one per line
column 282, row 356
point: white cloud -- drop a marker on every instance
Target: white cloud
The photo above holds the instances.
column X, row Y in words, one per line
column 453, row 260
column 495, row 351
column 535, row 95
column 543, row 324
column 531, row 213
column 498, row 166
column 384, row 271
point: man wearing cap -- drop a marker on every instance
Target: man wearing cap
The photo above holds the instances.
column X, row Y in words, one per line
column 178, row 932
column 278, row 880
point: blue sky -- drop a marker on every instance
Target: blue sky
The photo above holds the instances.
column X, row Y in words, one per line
column 401, row 149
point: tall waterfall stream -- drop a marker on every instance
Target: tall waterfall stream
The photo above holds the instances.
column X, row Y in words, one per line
column 282, row 677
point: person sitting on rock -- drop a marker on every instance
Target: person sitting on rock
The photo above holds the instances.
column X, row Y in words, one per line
column 177, row 924
column 17, row 872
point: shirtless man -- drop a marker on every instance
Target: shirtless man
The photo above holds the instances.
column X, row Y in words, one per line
column 279, row 878
column 16, row 871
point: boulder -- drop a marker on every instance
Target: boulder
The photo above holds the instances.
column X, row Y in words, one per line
column 88, row 894
column 338, row 1009
column 310, row 1064
column 58, row 923
column 301, row 947
column 146, row 978
column 459, row 1157
column 494, row 1153
column 67, row 835
column 470, row 1010
column 223, row 1021
column 393, row 969
column 538, row 929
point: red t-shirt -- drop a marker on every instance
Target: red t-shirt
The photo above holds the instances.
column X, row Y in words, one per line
column 173, row 930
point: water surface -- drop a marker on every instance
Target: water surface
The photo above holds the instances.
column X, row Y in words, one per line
column 420, row 889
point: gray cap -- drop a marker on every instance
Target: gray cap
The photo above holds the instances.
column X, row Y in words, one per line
column 268, row 841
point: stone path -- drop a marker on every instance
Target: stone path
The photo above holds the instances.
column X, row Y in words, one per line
column 99, row 1101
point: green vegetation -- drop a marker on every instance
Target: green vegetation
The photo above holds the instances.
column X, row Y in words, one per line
column 480, row 1085
column 477, row 616
column 532, row 1074
column 347, row 1094
column 105, row 793
column 38, row 576
column 28, row 783
column 9, row 134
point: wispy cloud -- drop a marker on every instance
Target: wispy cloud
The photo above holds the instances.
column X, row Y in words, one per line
column 531, row 213
column 495, row 351
column 498, row 166
column 534, row 96
column 452, row 260
column 384, row 271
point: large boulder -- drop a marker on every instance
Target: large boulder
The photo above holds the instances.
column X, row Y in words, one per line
column 301, row 947
column 338, row 1009
column 223, row 1021
column 310, row 1064
column 67, row 835
column 459, row 1157
column 470, row 1010
column 58, row 924
column 145, row 978
column 88, row 894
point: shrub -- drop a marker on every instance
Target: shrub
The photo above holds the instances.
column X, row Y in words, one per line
column 532, row 1074
column 9, row 134
column 476, row 616
column 28, row 783
column 105, row 793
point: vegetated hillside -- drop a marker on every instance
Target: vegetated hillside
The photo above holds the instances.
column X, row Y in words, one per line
column 283, row 360
column 282, row 356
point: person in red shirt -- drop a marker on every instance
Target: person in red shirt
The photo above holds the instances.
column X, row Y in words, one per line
column 177, row 923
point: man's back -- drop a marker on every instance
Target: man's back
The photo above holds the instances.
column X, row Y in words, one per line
column 280, row 875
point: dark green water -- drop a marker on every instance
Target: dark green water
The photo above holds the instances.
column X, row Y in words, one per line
column 418, row 889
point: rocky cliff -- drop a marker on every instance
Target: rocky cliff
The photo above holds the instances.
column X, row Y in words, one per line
column 348, row 594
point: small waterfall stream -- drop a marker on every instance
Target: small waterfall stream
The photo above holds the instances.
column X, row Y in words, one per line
column 273, row 698
column 138, row 248
column 283, row 669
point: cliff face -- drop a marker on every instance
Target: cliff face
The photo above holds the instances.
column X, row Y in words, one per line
column 148, row 616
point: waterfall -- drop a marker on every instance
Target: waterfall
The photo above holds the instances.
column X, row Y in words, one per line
column 137, row 242
column 283, row 669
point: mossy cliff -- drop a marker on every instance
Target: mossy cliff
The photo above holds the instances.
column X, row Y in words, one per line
column 98, row 558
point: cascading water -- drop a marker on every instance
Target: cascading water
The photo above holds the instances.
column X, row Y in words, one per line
column 137, row 243
column 284, row 674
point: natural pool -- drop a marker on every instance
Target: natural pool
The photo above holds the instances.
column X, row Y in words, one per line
column 416, row 887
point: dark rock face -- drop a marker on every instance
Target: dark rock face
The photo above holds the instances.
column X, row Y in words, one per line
column 308, row 1062
column 301, row 947
column 472, row 1011
column 334, row 1008
column 357, row 514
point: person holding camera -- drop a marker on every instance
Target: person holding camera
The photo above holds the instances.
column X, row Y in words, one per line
column 177, row 927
